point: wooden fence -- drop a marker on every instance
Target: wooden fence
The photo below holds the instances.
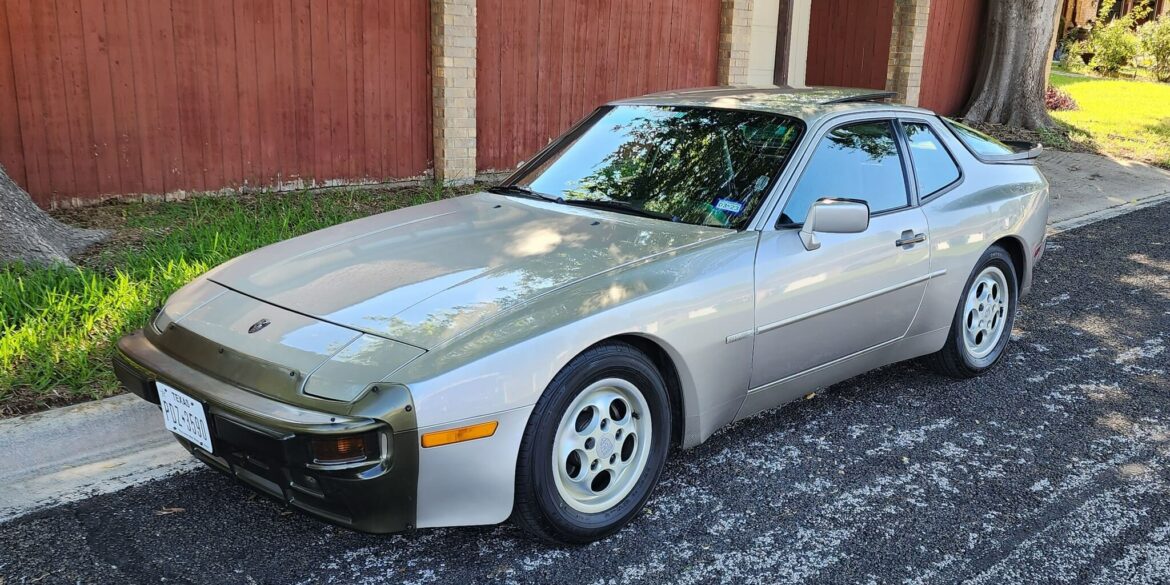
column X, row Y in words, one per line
column 104, row 97
column 951, row 59
column 849, row 43
column 543, row 64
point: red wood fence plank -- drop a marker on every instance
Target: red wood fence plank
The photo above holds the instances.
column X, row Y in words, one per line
column 146, row 97
column 302, row 65
column 166, row 85
column 52, row 80
column 12, row 146
column 76, row 96
column 226, row 105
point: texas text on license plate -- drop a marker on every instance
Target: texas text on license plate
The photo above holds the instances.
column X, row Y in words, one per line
column 184, row 416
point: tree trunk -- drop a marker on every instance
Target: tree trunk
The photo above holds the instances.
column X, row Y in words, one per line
column 31, row 236
column 1009, row 88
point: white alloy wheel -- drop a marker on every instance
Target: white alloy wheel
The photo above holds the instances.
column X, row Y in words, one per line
column 985, row 312
column 601, row 445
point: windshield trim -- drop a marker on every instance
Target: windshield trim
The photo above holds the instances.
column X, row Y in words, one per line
column 575, row 131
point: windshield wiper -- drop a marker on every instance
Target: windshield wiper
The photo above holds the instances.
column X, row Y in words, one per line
column 521, row 191
column 618, row 206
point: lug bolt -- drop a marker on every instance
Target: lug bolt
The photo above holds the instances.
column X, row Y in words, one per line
column 612, row 458
column 593, row 465
column 589, row 443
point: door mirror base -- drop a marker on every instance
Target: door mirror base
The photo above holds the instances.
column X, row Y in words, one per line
column 833, row 216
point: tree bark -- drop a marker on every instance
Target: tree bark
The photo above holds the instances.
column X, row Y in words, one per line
column 31, row 236
column 1009, row 88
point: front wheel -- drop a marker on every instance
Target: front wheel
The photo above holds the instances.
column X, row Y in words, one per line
column 594, row 447
column 983, row 320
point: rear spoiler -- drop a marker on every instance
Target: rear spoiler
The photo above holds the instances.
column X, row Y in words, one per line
column 1025, row 153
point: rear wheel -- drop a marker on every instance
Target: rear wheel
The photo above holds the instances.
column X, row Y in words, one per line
column 983, row 320
column 594, row 447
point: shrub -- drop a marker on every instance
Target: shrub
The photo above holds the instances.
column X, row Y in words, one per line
column 1114, row 46
column 1114, row 43
column 1058, row 99
column 1154, row 40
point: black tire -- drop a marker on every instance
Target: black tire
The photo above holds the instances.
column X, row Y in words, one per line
column 539, row 507
column 954, row 359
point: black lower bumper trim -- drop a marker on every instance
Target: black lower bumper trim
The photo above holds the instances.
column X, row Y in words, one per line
column 378, row 496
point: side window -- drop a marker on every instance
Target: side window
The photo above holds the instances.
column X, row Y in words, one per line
column 855, row 161
column 933, row 166
column 978, row 142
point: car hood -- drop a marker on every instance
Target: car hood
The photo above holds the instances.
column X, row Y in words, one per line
column 425, row 274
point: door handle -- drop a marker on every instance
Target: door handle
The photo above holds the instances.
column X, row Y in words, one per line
column 909, row 238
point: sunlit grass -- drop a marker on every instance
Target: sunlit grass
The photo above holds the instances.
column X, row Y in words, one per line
column 58, row 325
column 1124, row 118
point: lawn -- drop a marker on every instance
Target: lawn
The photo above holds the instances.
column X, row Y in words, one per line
column 1123, row 118
column 57, row 326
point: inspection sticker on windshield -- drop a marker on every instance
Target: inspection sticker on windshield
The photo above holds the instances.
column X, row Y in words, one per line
column 729, row 206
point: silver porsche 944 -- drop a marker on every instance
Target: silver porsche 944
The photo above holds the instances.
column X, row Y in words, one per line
column 671, row 264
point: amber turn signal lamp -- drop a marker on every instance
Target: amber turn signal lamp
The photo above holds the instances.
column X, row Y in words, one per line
column 460, row 434
column 345, row 449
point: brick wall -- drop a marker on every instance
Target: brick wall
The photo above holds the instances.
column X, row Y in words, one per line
column 453, row 41
column 907, row 48
column 735, row 40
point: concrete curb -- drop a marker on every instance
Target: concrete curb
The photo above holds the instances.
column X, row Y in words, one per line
column 71, row 453
column 1107, row 213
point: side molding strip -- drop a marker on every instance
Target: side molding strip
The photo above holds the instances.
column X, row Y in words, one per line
column 847, row 302
column 822, row 366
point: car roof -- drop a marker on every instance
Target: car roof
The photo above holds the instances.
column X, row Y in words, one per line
column 806, row 103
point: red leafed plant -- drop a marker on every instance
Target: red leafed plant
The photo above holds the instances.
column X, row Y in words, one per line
column 1058, row 99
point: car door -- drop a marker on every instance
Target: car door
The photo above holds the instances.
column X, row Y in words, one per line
column 858, row 292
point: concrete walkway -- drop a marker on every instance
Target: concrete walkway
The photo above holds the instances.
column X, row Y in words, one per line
column 1088, row 188
column 71, row 453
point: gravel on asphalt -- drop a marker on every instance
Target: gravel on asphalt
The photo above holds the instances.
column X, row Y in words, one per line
column 1051, row 468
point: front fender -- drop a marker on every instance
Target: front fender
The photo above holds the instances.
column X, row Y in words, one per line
column 689, row 303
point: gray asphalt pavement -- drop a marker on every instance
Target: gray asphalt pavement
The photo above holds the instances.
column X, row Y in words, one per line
column 1053, row 468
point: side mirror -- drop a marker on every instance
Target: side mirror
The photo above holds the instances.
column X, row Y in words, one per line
column 833, row 216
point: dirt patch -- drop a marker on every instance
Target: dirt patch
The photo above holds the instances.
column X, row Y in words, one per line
column 23, row 400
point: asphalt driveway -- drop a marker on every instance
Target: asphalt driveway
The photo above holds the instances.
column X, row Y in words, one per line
column 1053, row 468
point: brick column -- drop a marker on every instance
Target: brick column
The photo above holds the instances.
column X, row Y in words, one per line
column 453, row 35
column 735, row 40
column 907, row 47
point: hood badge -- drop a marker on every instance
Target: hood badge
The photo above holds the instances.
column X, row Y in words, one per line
column 259, row 325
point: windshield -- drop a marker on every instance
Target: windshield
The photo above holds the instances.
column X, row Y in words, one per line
column 694, row 165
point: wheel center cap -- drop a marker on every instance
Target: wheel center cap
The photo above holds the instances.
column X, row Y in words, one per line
column 605, row 447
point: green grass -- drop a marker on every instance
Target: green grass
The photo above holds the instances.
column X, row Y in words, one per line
column 1123, row 118
column 58, row 325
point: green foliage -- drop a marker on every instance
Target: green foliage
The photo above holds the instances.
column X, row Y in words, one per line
column 1128, row 119
column 1113, row 42
column 57, row 325
column 1154, row 40
column 1114, row 45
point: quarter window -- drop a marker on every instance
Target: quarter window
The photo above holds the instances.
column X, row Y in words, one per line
column 933, row 166
column 855, row 161
column 979, row 143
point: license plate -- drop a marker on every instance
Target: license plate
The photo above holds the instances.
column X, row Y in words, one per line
column 184, row 416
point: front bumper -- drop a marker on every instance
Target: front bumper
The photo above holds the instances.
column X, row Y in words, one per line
column 265, row 444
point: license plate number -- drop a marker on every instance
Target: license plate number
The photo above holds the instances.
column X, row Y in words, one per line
column 184, row 416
